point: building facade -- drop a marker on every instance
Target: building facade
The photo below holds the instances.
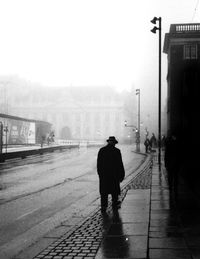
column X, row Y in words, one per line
column 86, row 113
column 182, row 45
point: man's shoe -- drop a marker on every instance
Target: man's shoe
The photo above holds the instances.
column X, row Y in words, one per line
column 116, row 205
column 103, row 209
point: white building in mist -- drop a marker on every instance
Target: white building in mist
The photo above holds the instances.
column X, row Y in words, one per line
column 89, row 113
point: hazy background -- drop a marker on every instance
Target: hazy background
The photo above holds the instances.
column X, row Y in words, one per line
column 89, row 42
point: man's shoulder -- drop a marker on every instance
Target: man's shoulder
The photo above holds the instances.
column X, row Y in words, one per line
column 117, row 149
column 102, row 148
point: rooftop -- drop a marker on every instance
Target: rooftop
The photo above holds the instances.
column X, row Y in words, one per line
column 185, row 28
column 181, row 30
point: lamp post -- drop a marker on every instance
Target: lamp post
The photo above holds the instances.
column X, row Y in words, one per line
column 134, row 129
column 1, row 137
column 154, row 20
column 138, row 126
column 131, row 126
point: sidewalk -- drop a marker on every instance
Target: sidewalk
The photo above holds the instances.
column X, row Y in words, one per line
column 148, row 225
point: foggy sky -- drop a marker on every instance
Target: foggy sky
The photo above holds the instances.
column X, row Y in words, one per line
column 89, row 43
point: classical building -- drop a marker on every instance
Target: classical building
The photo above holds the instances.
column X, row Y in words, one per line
column 89, row 113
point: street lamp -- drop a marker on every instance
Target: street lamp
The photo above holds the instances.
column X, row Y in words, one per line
column 132, row 126
column 138, row 126
column 154, row 20
column 136, row 132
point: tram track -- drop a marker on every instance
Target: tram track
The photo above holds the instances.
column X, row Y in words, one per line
column 66, row 180
column 36, row 159
column 44, row 189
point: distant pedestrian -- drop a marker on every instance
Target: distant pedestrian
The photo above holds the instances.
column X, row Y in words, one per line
column 153, row 141
column 163, row 140
column 48, row 140
column 172, row 160
column 147, row 145
column 42, row 140
column 111, row 172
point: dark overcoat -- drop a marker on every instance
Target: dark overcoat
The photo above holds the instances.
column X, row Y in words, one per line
column 110, row 169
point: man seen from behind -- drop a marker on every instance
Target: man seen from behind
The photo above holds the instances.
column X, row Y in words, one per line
column 111, row 172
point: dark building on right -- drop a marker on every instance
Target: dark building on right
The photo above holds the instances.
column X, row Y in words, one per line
column 182, row 45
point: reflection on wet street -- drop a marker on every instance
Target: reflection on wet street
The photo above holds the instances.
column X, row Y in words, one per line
column 116, row 243
column 128, row 233
column 170, row 232
column 154, row 224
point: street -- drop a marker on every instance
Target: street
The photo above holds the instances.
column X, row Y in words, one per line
column 39, row 192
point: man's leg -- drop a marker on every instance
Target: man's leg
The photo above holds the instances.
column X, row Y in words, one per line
column 115, row 201
column 104, row 201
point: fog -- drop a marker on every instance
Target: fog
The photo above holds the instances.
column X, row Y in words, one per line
column 106, row 46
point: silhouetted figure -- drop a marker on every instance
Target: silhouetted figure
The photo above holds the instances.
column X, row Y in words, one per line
column 153, row 141
column 111, row 172
column 163, row 139
column 42, row 140
column 48, row 140
column 172, row 161
column 147, row 145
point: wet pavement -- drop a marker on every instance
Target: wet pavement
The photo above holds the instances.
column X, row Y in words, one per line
column 166, row 237
column 127, row 236
column 151, row 223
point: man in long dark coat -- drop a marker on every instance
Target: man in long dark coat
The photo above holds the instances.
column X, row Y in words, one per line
column 111, row 172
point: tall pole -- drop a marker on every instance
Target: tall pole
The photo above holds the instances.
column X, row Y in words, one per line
column 154, row 20
column 134, row 129
column 6, row 129
column 159, row 99
column 1, row 137
column 138, row 123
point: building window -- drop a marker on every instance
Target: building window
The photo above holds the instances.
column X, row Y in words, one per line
column 190, row 51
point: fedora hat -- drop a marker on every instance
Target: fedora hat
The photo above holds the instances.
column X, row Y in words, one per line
column 113, row 139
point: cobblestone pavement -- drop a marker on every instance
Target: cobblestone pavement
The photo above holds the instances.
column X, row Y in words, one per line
column 83, row 241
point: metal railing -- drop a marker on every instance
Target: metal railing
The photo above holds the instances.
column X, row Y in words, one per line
column 185, row 28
